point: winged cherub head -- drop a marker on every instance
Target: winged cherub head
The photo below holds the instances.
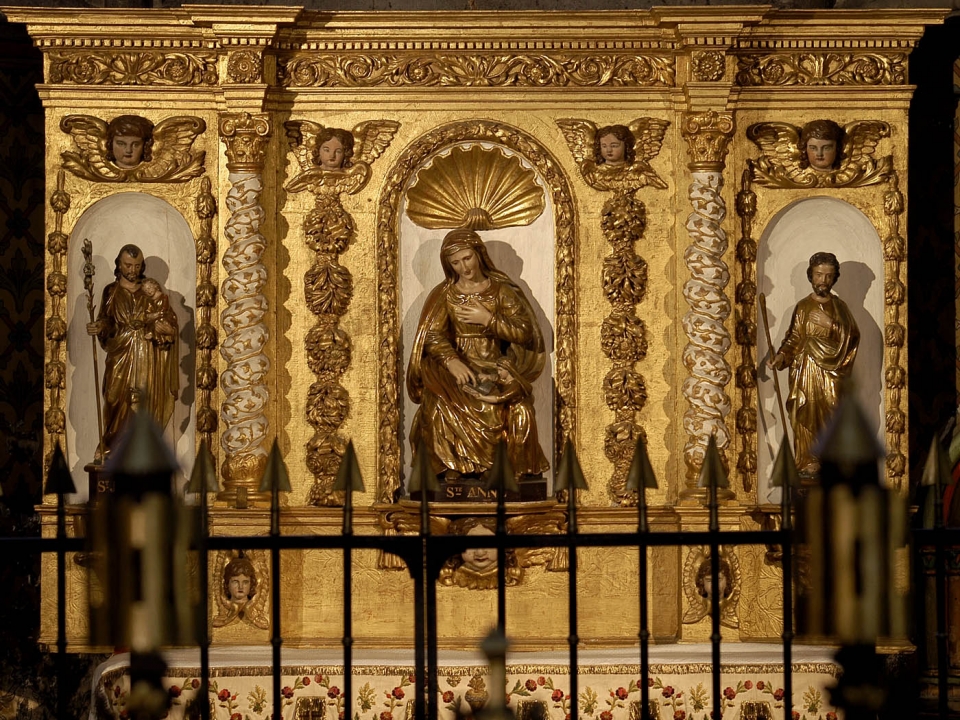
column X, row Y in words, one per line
column 129, row 140
column 613, row 145
column 333, row 149
column 239, row 580
column 821, row 145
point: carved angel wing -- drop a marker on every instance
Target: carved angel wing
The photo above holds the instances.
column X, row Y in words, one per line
column 648, row 136
column 579, row 135
column 90, row 136
column 862, row 138
column 371, row 138
column 302, row 137
column 779, row 166
column 173, row 155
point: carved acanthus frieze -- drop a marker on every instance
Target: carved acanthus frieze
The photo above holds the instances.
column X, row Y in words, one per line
column 784, row 163
column 824, row 68
column 561, row 69
column 111, row 67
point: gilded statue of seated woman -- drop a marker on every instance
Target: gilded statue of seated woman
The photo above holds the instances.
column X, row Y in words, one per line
column 477, row 350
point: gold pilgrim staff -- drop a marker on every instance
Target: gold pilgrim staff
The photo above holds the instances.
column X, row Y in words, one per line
column 89, row 270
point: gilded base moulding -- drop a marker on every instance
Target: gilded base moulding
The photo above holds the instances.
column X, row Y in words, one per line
column 647, row 279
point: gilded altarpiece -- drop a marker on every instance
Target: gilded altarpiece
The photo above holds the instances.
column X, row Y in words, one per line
column 297, row 278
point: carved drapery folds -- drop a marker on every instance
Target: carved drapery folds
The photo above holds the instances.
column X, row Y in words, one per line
column 328, row 285
column 707, row 135
column 596, row 69
column 244, row 379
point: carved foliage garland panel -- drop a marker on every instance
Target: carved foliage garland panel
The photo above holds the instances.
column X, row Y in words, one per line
column 391, row 371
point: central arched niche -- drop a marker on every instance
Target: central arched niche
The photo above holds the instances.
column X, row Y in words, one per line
column 798, row 231
column 167, row 243
column 524, row 253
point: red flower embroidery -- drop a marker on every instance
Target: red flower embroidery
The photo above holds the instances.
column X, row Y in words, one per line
column 748, row 684
column 174, row 691
column 606, row 715
column 831, row 716
column 195, row 682
column 287, row 692
column 541, row 681
column 223, row 695
column 795, row 715
column 448, row 696
column 668, row 691
column 411, row 679
column 333, row 692
column 557, row 695
column 306, row 681
column 397, row 693
column 729, row 693
column 236, row 716
column 622, row 693
column 778, row 694
column 680, row 715
column 530, row 684
column 761, row 684
column 386, row 715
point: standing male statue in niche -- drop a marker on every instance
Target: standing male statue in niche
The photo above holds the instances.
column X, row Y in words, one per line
column 820, row 347
column 138, row 330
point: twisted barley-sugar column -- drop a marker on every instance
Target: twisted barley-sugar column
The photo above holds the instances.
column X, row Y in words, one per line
column 707, row 135
column 243, row 382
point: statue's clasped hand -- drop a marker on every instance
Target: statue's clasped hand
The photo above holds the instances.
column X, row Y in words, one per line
column 93, row 328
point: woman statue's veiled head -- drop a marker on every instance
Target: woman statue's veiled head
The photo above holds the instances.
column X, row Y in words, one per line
column 462, row 239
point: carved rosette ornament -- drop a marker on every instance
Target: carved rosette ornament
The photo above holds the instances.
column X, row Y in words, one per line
column 460, row 69
column 55, row 329
column 328, row 286
column 707, row 135
column 206, row 209
column 708, row 65
column 623, row 219
column 244, row 380
column 245, row 67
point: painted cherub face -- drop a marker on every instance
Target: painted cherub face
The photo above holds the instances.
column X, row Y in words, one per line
column 479, row 559
column 127, row 150
column 612, row 149
column 330, row 154
column 239, row 587
column 821, row 153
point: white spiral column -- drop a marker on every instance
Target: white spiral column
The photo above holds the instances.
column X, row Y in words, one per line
column 708, row 340
column 244, row 381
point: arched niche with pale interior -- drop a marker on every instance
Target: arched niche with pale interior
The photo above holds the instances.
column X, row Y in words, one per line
column 167, row 242
column 798, row 231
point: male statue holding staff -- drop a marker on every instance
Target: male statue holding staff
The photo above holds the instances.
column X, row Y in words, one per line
column 820, row 347
column 138, row 330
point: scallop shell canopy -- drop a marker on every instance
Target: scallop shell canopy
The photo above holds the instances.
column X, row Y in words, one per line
column 475, row 188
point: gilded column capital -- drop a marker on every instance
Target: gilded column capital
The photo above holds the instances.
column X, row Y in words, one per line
column 245, row 136
column 708, row 137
